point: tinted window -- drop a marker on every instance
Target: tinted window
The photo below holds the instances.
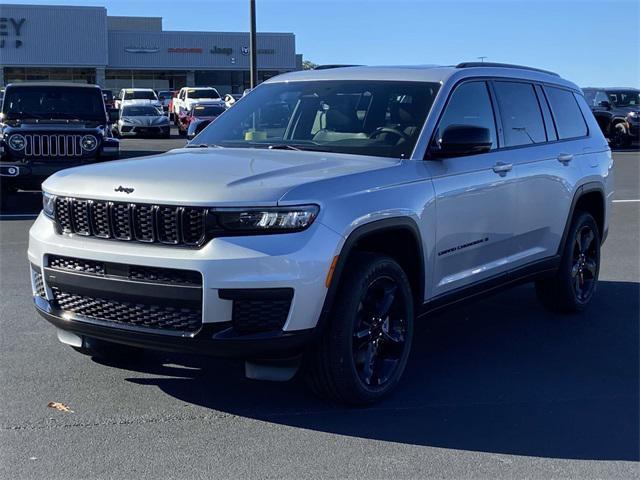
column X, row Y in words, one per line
column 140, row 95
column 566, row 112
column 203, row 93
column 470, row 104
column 520, row 112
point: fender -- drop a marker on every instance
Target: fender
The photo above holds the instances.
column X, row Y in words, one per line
column 581, row 190
column 403, row 223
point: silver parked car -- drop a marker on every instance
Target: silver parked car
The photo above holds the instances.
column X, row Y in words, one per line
column 324, row 215
column 142, row 120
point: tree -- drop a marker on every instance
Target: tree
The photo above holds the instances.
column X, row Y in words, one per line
column 308, row 65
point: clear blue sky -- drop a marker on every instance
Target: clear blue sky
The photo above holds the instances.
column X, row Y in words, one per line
column 589, row 42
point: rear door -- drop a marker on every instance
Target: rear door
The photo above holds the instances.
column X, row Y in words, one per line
column 546, row 162
column 475, row 199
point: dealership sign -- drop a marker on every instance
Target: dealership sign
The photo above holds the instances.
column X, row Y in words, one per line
column 184, row 50
column 142, row 49
column 11, row 27
column 222, row 51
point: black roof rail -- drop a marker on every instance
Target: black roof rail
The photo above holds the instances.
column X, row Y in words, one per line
column 330, row 66
column 503, row 65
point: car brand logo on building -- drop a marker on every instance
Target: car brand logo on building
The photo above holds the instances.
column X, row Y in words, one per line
column 222, row 51
column 245, row 50
column 11, row 27
column 122, row 189
column 142, row 49
column 185, row 50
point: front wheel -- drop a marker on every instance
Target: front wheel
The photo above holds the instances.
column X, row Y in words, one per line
column 365, row 346
column 574, row 284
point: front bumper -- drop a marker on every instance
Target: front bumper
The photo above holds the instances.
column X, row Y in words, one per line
column 217, row 340
column 143, row 131
column 297, row 261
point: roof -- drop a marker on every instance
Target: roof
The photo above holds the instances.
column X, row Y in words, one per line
column 425, row 73
column 52, row 84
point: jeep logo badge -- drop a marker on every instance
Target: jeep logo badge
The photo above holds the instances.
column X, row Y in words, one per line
column 126, row 190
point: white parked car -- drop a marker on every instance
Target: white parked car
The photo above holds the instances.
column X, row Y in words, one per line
column 137, row 96
column 189, row 96
column 326, row 214
column 142, row 120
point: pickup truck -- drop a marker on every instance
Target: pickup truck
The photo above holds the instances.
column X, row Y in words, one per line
column 189, row 96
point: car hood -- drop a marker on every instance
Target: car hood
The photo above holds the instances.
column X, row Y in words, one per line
column 145, row 121
column 209, row 176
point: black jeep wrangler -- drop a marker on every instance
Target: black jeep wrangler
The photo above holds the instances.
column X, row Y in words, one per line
column 46, row 127
column 617, row 111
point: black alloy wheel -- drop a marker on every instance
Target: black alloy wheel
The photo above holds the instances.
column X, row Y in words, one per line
column 584, row 268
column 379, row 334
column 364, row 347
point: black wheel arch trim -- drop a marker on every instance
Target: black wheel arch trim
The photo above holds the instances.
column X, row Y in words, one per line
column 580, row 191
column 376, row 226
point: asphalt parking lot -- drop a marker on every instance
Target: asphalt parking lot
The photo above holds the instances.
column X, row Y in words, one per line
column 497, row 389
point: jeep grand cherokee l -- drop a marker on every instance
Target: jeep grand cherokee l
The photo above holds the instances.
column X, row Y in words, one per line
column 319, row 237
column 46, row 127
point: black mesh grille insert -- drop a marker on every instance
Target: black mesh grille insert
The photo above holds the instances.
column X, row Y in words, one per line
column 121, row 221
column 39, row 283
column 258, row 310
column 133, row 314
column 184, row 226
column 168, row 225
column 131, row 272
column 77, row 265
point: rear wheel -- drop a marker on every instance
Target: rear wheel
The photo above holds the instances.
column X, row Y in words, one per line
column 573, row 286
column 364, row 348
column 619, row 136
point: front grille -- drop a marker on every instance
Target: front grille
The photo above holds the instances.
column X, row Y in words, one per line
column 129, row 272
column 131, row 314
column 181, row 226
column 53, row 145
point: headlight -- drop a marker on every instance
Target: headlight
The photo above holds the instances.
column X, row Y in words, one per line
column 633, row 114
column 89, row 142
column 17, row 142
column 48, row 204
column 266, row 220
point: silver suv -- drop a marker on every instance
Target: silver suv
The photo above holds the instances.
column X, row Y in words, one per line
column 315, row 222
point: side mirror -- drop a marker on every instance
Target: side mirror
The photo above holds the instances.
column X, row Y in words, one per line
column 460, row 140
column 606, row 104
column 114, row 115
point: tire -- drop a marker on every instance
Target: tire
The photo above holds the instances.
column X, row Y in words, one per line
column 574, row 284
column 361, row 355
column 112, row 352
column 619, row 136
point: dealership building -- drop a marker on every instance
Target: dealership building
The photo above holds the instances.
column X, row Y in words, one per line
column 84, row 44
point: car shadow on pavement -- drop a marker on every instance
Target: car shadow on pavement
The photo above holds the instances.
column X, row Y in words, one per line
column 500, row 376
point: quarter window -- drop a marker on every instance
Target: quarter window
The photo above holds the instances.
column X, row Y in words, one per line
column 520, row 111
column 566, row 112
column 470, row 104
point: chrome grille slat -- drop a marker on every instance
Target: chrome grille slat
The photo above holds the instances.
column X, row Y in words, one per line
column 146, row 223
column 45, row 145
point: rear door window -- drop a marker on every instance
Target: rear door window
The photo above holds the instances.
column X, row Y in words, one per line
column 520, row 112
column 566, row 113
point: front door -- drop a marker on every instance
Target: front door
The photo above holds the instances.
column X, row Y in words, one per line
column 475, row 200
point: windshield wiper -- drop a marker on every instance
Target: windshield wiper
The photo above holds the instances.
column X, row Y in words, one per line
column 283, row 146
column 203, row 145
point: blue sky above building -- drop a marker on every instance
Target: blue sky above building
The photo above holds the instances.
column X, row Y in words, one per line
column 589, row 42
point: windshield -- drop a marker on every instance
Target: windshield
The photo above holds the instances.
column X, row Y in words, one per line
column 164, row 95
column 381, row 118
column 140, row 95
column 44, row 102
column 207, row 111
column 203, row 93
column 108, row 95
column 624, row 99
column 140, row 111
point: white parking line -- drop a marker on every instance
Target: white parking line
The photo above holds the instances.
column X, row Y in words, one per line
column 635, row 200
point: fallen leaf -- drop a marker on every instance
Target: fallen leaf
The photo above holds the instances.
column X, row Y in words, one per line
column 61, row 407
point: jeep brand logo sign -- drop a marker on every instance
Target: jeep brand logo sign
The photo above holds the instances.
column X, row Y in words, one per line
column 122, row 189
column 11, row 27
column 222, row 50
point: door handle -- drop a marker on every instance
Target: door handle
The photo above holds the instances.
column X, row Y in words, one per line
column 502, row 168
column 565, row 158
